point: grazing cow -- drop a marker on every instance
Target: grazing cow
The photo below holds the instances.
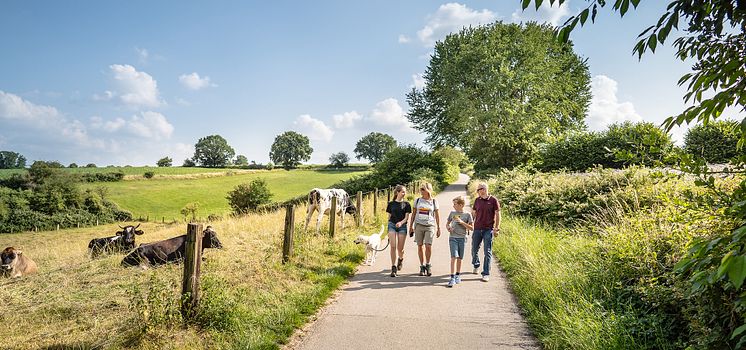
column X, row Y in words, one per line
column 170, row 250
column 15, row 264
column 123, row 241
column 321, row 200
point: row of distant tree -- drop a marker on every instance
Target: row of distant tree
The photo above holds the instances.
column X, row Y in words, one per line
column 288, row 150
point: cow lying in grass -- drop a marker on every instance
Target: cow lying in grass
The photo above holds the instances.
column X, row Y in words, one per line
column 15, row 264
column 170, row 250
column 123, row 241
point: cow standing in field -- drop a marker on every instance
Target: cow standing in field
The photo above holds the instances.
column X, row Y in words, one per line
column 170, row 250
column 321, row 200
column 123, row 241
column 15, row 264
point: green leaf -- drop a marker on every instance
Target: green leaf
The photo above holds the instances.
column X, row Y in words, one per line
column 737, row 271
column 525, row 4
column 635, row 3
column 583, row 16
column 538, row 4
column 652, row 42
column 624, row 7
column 738, row 331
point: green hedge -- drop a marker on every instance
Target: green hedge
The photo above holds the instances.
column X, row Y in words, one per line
column 621, row 145
column 600, row 273
column 716, row 142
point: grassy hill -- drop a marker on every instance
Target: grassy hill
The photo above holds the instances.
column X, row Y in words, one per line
column 161, row 197
column 249, row 298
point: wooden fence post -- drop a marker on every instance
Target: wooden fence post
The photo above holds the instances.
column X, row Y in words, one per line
column 192, row 262
column 388, row 195
column 333, row 217
column 287, row 243
column 375, row 201
column 359, row 208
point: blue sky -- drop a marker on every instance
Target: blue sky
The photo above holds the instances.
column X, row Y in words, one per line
column 131, row 82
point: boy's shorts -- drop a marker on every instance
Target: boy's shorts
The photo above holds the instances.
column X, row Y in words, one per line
column 457, row 246
column 424, row 234
column 402, row 230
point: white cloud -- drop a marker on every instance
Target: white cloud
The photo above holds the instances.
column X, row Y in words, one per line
column 183, row 102
column 137, row 89
column 605, row 108
column 106, row 96
column 388, row 113
column 144, row 125
column 13, row 107
column 555, row 15
column 449, row 18
column 142, row 54
column 194, row 82
column 418, row 81
column 346, row 120
column 403, row 39
column 313, row 128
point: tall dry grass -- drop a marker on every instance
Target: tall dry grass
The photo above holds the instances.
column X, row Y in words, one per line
column 249, row 298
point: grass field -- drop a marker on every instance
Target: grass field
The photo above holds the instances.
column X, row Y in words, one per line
column 250, row 300
column 157, row 198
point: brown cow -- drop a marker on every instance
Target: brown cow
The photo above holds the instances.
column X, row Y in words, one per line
column 15, row 264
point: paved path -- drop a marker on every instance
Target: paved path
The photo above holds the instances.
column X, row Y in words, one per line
column 375, row 311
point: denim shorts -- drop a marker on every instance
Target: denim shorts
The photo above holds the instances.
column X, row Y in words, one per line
column 457, row 246
column 402, row 230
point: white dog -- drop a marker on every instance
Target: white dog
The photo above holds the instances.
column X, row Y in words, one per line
column 372, row 244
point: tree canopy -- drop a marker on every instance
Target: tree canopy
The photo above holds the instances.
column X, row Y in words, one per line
column 165, row 162
column 498, row 91
column 11, row 160
column 714, row 37
column 241, row 160
column 213, row 152
column 290, row 149
column 374, row 146
column 339, row 160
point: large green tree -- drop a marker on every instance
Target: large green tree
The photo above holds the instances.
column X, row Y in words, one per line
column 213, row 152
column 374, row 146
column 290, row 149
column 498, row 91
column 11, row 160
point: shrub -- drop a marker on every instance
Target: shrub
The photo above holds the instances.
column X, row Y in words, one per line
column 247, row 197
column 104, row 177
column 90, row 165
column 188, row 163
column 622, row 144
column 716, row 142
column 576, row 151
column 339, row 160
column 398, row 164
column 148, row 174
column 165, row 162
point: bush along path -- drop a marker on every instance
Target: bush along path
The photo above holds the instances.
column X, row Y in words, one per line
column 376, row 311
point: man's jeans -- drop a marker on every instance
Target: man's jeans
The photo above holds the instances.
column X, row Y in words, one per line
column 476, row 240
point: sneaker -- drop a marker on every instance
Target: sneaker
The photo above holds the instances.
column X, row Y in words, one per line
column 422, row 270
column 476, row 270
column 428, row 268
column 399, row 264
column 393, row 271
column 458, row 279
column 451, row 282
column 485, row 278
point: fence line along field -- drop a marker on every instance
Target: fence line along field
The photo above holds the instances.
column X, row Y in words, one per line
column 249, row 298
column 159, row 198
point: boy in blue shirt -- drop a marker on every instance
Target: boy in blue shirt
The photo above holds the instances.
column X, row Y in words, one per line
column 459, row 224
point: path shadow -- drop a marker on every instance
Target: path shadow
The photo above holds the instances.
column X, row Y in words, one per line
column 382, row 280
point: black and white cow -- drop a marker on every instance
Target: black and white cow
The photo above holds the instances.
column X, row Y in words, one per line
column 321, row 200
column 123, row 241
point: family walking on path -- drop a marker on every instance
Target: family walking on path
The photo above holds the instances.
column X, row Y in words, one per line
column 413, row 311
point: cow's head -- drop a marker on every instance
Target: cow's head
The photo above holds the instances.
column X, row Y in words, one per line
column 9, row 258
column 210, row 239
column 128, row 234
column 351, row 209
